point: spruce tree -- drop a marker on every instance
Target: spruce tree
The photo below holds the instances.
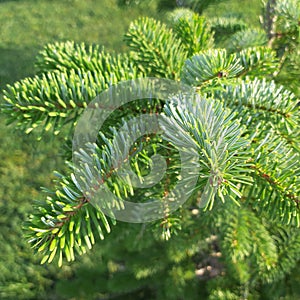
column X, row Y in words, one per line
column 237, row 236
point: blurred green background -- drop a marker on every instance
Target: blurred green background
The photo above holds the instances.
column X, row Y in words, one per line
column 25, row 165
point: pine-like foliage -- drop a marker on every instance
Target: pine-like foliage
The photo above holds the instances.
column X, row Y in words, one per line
column 238, row 234
column 155, row 48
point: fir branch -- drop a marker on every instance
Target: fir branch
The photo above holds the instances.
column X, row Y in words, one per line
column 66, row 56
column 52, row 99
column 247, row 243
column 288, row 245
column 258, row 62
column 276, row 185
column 155, row 48
column 223, row 152
column 246, row 38
column 208, row 65
column 195, row 33
column 274, row 106
column 226, row 25
column 56, row 98
column 65, row 223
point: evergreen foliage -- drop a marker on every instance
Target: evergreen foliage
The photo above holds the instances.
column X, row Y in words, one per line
column 197, row 5
column 238, row 234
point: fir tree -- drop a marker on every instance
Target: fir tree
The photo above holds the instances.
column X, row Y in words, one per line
column 245, row 240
